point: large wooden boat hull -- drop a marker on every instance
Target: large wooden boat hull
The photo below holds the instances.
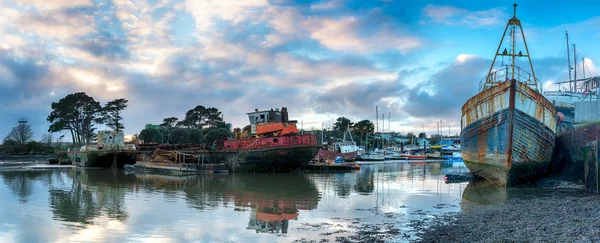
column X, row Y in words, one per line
column 103, row 158
column 508, row 133
column 279, row 159
column 267, row 154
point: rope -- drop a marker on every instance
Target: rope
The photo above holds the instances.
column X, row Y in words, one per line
column 243, row 152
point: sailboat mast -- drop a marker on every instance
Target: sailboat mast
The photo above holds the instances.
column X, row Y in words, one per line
column 389, row 126
column 376, row 120
column 575, row 66
column 382, row 129
column 569, row 62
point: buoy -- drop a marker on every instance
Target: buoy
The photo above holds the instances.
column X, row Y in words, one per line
column 560, row 117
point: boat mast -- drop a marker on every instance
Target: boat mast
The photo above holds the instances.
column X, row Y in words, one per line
column 575, row 67
column 377, row 121
column 569, row 62
column 382, row 129
column 492, row 79
column 512, row 38
column 583, row 67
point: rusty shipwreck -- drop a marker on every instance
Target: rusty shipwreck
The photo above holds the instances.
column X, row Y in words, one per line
column 508, row 128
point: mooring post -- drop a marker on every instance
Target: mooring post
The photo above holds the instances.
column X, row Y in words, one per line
column 114, row 163
column 597, row 158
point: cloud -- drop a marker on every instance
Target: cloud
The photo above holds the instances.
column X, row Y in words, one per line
column 320, row 59
column 447, row 90
column 326, row 5
column 208, row 12
column 342, row 35
column 54, row 4
column 450, row 15
column 358, row 99
column 105, row 45
column 369, row 32
column 63, row 24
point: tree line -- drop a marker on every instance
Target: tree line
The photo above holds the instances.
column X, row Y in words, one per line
column 199, row 125
column 20, row 141
column 363, row 133
column 78, row 114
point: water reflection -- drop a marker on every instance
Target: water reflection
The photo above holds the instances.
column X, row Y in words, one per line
column 99, row 205
column 20, row 182
column 484, row 193
column 272, row 200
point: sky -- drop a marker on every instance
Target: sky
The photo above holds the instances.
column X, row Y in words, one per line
column 416, row 60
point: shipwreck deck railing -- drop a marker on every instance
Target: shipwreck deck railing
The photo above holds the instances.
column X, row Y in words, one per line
column 505, row 74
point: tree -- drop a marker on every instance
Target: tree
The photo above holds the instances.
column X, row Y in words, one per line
column 196, row 136
column 34, row 147
column 411, row 137
column 9, row 146
column 47, row 140
column 76, row 113
column 180, row 136
column 112, row 114
column 21, row 134
column 201, row 116
column 151, row 135
column 363, row 128
column 170, row 122
column 216, row 134
column 342, row 124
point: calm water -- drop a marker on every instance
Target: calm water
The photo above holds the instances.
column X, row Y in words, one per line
column 110, row 206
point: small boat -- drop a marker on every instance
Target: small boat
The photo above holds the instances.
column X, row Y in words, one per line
column 372, row 157
column 455, row 156
column 414, row 157
column 128, row 167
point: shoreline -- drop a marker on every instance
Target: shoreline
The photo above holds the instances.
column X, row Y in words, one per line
column 32, row 158
column 526, row 214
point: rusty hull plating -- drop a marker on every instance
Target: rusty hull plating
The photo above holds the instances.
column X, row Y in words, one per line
column 508, row 133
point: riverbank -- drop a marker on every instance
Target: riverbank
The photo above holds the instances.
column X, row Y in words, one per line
column 8, row 159
column 546, row 215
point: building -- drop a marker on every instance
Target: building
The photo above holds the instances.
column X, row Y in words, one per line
column 268, row 117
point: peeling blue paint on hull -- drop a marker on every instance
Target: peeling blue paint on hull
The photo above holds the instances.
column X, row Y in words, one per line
column 492, row 152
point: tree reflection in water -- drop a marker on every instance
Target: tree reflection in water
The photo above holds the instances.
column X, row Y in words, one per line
column 20, row 183
column 92, row 194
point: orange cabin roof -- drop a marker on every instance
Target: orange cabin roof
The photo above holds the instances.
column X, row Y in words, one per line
column 275, row 217
column 289, row 130
column 269, row 128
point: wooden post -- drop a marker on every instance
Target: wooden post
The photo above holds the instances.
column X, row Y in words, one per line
column 597, row 157
column 114, row 163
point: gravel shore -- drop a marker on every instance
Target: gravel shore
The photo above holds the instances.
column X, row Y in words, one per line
column 532, row 215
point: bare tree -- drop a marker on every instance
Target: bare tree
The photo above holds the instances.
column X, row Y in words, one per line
column 47, row 140
column 58, row 140
column 21, row 134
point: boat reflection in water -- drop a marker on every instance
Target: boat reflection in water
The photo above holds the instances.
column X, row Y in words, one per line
column 271, row 200
column 484, row 192
column 273, row 203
